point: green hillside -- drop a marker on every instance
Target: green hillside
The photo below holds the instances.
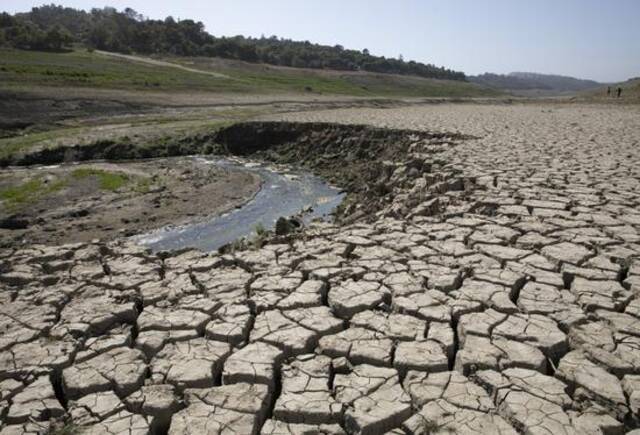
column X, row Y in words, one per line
column 51, row 27
column 81, row 68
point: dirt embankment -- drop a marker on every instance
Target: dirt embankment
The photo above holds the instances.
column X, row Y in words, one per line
column 385, row 173
column 20, row 111
column 112, row 150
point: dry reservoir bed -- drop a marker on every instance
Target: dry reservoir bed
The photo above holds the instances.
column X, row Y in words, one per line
column 81, row 202
column 494, row 288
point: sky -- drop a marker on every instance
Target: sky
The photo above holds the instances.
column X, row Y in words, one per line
column 594, row 39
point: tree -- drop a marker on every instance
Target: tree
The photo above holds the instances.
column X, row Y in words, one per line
column 133, row 15
column 57, row 37
column 6, row 20
column 24, row 35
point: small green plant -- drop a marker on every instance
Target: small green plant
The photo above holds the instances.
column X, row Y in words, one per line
column 21, row 193
column 67, row 429
column 107, row 180
column 261, row 235
column 430, row 427
column 29, row 192
column 260, row 230
column 143, row 185
column 236, row 245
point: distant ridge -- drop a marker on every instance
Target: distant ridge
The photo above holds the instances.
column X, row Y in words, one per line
column 529, row 83
column 54, row 28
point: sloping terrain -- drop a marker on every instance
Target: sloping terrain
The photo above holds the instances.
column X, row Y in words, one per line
column 53, row 28
column 98, row 70
column 534, row 84
column 630, row 92
column 42, row 90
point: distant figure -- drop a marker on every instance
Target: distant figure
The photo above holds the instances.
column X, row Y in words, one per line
column 608, row 91
column 619, row 91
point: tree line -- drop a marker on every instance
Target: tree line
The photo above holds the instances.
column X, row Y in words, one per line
column 54, row 27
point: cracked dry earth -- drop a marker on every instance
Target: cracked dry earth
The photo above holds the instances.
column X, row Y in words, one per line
column 512, row 308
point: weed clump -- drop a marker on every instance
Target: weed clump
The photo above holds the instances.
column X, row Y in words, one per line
column 107, row 180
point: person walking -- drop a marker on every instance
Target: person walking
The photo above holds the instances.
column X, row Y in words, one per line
column 619, row 91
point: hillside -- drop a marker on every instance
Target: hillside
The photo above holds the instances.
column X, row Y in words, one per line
column 21, row 69
column 40, row 89
column 54, row 27
column 525, row 83
column 65, row 67
column 630, row 92
column 631, row 88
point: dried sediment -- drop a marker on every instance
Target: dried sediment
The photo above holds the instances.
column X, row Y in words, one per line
column 513, row 309
column 386, row 172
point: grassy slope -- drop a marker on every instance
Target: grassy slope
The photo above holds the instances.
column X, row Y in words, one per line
column 83, row 69
column 20, row 69
column 363, row 84
column 630, row 89
column 57, row 75
column 630, row 92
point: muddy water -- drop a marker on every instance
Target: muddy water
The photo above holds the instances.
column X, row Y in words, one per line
column 281, row 194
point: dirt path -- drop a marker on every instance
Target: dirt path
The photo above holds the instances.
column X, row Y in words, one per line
column 156, row 62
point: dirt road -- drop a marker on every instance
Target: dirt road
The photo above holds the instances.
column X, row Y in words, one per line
column 156, row 62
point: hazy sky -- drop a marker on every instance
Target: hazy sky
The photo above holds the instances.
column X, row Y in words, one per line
column 596, row 39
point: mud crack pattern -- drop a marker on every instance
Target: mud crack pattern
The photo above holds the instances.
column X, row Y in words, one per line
column 511, row 307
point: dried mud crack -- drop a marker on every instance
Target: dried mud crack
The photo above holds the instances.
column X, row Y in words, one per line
column 478, row 282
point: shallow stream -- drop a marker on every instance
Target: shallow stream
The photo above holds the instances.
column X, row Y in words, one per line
column 281, row 194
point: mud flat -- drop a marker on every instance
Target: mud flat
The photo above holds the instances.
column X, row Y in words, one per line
column 82, row 202
column 483, row 278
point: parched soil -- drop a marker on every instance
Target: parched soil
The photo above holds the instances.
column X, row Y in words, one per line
column 77, row 207
column 494, row 288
